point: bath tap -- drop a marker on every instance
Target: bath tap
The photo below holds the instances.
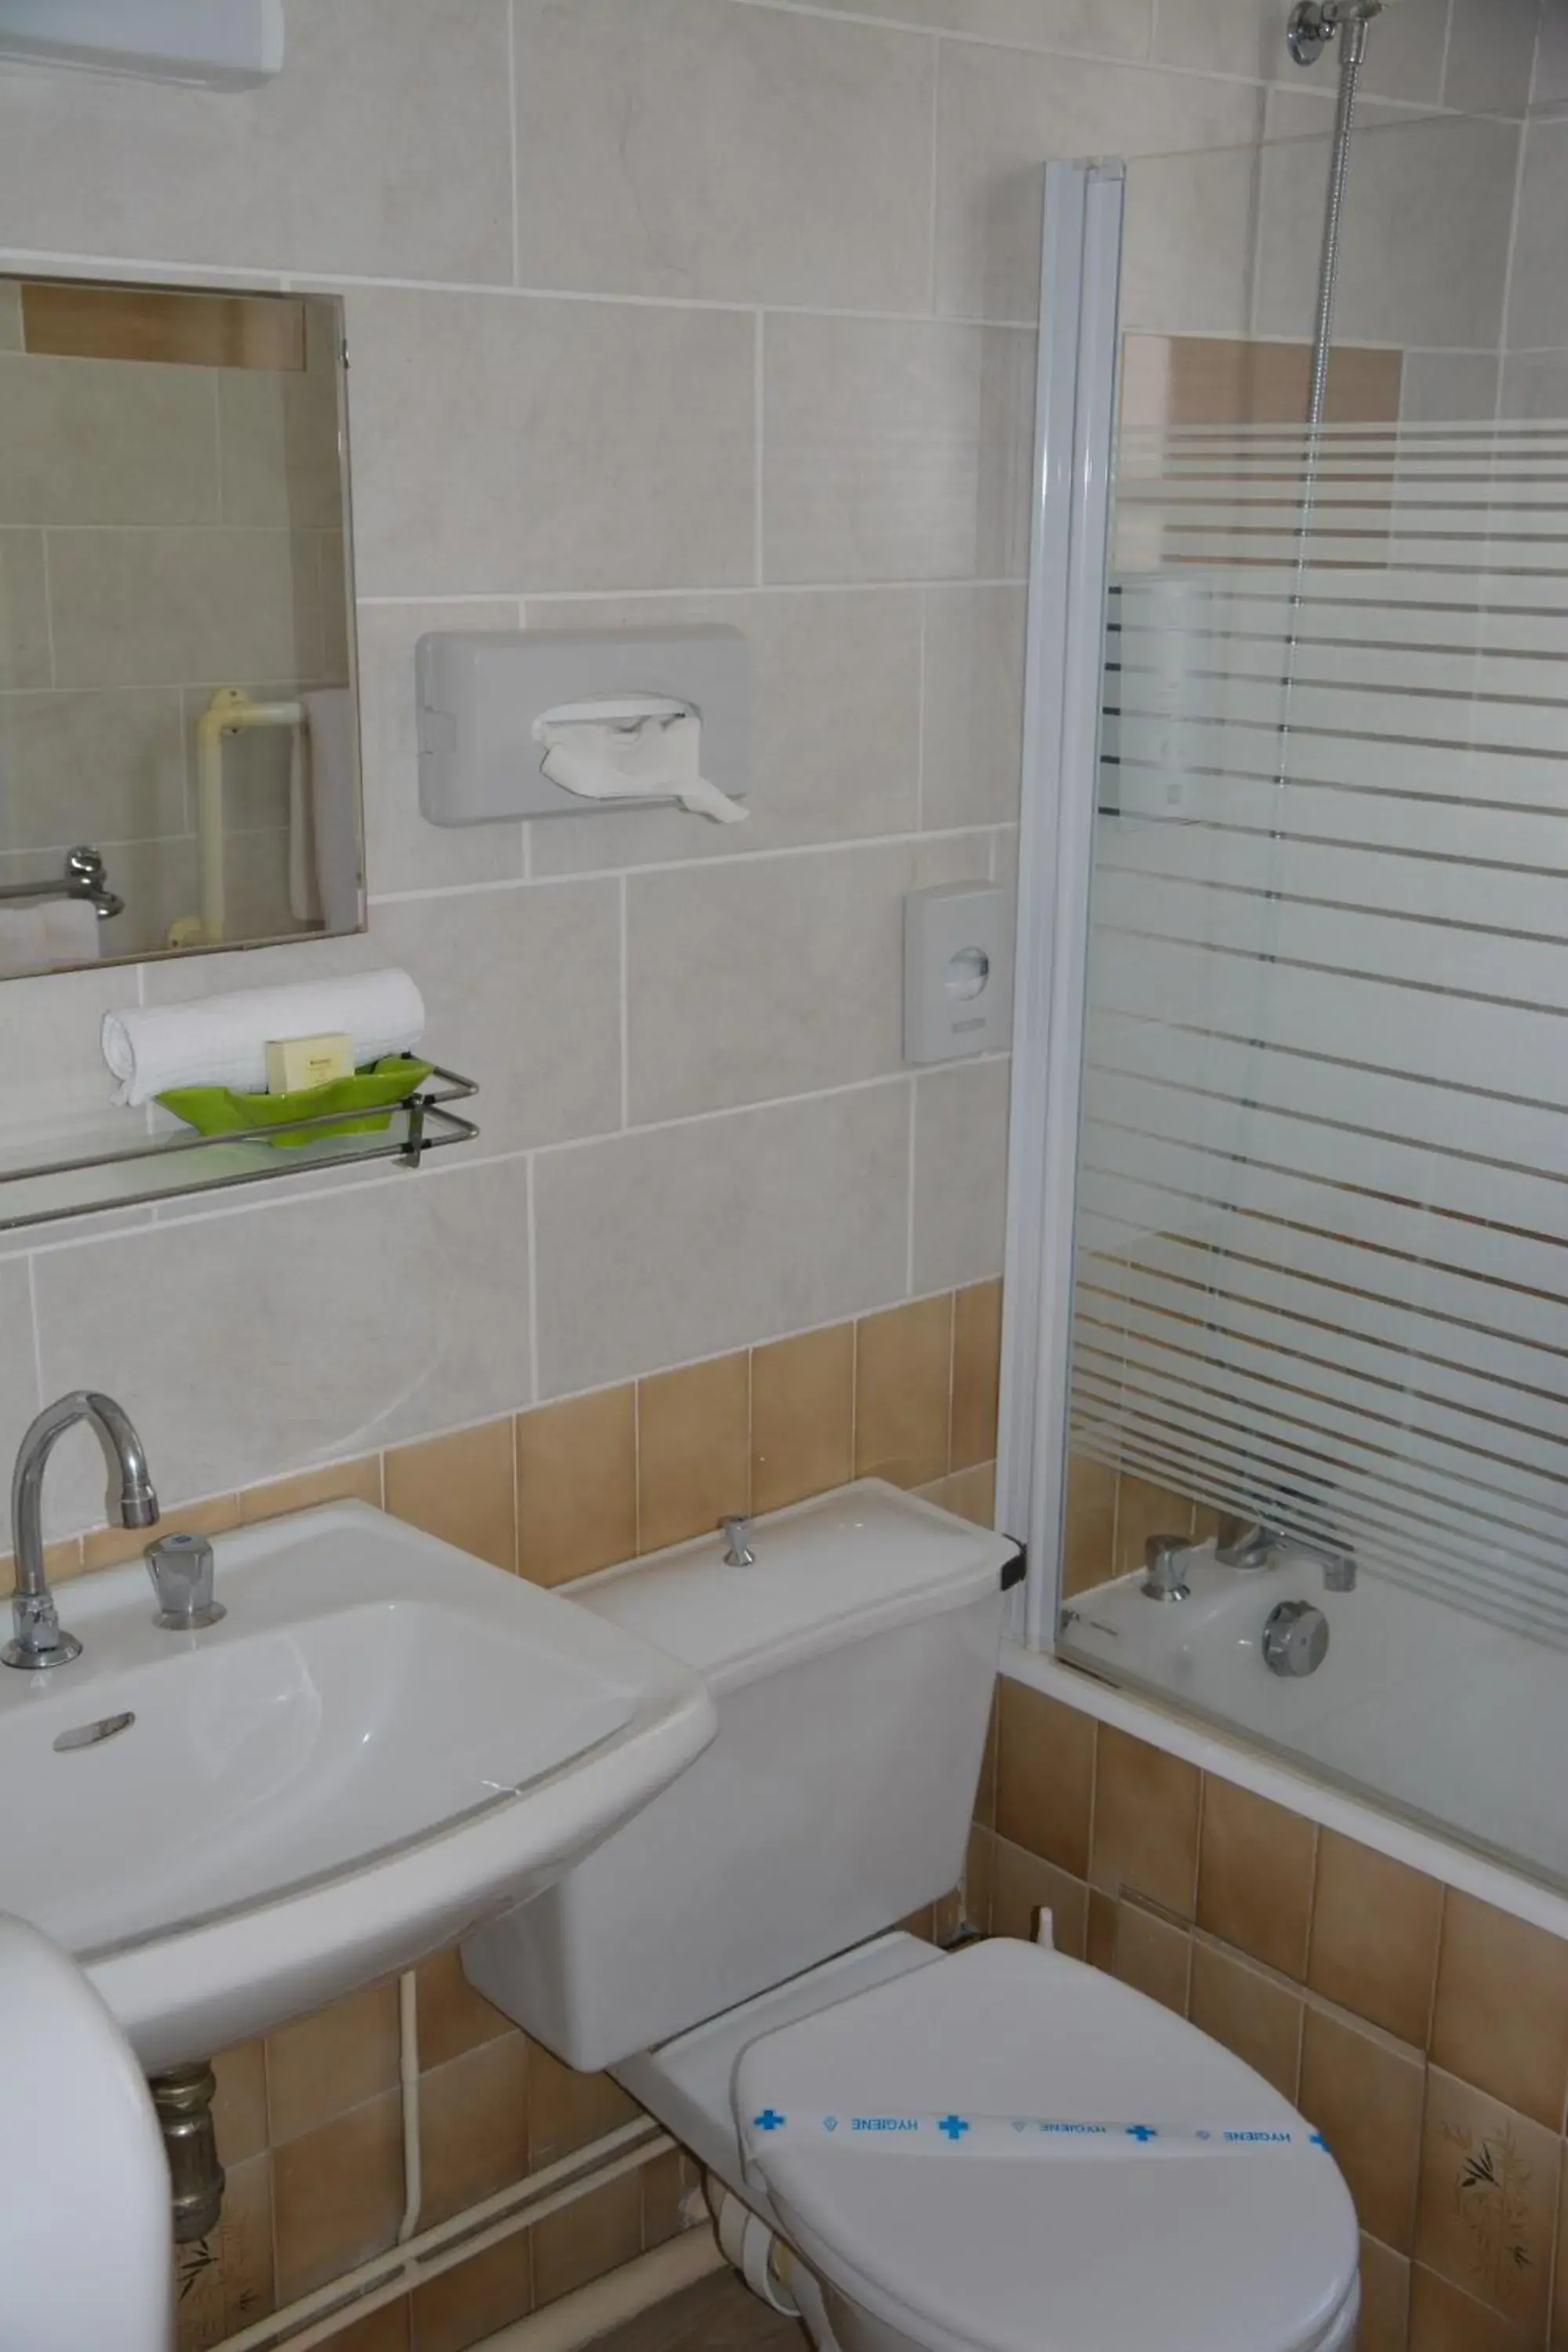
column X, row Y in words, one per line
column 1250, row 1545
column 37, row 1640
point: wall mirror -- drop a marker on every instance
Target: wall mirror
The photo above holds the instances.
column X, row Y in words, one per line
column 179, row 766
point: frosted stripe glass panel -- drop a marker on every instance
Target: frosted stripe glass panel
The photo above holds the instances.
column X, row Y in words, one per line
column 1321, row 1277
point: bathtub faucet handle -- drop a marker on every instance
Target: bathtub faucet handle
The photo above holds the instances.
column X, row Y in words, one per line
column 1165, row 1561
column 737, row 1533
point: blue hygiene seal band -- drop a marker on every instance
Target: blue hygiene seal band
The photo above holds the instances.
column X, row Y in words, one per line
column 935, row 2132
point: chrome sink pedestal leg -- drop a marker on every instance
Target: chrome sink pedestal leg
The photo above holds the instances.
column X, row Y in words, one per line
column 183, row 2099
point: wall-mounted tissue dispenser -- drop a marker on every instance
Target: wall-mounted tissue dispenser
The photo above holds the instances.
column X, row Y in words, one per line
column 635, row 717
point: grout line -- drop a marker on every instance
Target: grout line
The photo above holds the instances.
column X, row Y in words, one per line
column 914, row 838
column 1443, row 60
column 921, row 728
column 532, row 1185
column 910, row 1196
column 694, row 593
column 625, row 1011
column 37, row 1329
column 759, row 424
column 932, row 209
column 49, row 609
column 511, row 130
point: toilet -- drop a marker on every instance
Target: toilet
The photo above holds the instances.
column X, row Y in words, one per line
column 997, row 2149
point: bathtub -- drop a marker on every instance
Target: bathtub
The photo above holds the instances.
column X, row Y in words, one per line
column 1425, row 1733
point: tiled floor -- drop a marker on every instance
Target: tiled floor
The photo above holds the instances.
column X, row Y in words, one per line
column 717, row 2314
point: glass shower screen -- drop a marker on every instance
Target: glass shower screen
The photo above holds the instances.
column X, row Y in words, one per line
column 1320, row 1329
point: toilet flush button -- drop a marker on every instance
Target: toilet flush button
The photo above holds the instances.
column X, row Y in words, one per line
column 955, row 980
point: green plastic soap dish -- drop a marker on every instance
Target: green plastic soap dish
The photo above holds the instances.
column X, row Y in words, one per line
column 367, row 1101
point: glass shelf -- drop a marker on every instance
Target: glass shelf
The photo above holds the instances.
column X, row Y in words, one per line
column 127, row 1160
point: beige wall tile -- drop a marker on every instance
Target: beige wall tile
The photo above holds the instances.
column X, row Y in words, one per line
column 453, row 2017
column 979, row 1871
column 1537, row 298
column 1001, row 114
column 1045, row 1776
column 336, row 1482
column 577, row 1486
column 903, row 1374
column 92, row 767
column 525, row 986
column 1252, row 2013
column 465, row 2306
column 1364, row 2094
column 598, row 2233
column 1111, row 29
column 25, row 634
column 292, row 176
column 1491, row 50
column 894, row 450
column 567, row 2110
column 694, row 1450
column 95, row 441
column 796, row 1213
column 974, row 706
column 1023, row 1886
column 240, row 2108
column 1385, row 2299
column 473, row 2126
column 1145, row 1822
column 818, row 999
column 635, row 471
column 976, row 1373
column 797, row 175
column 155, row 607
column 1089, row 1535
column 968, row 1494
column 225, row 2282
column 461, row 1488
column 1487, row 2216
column 961, row 1173
column 322, row 2065
column 355, row 1309
column 803, row 1416
column 1375, row 1925
column 385, row 2330
column 1427, row 262
column 337, row 2195
column 1443, row 2319
column 1500, row 2017
column 1152, row 1956
column 1256, row 1863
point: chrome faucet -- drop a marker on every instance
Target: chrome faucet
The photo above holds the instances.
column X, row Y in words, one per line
column 37, row 1640
column 1252, row 1544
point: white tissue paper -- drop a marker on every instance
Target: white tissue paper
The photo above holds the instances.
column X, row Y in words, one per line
column 221, row 1041
column 622, row 750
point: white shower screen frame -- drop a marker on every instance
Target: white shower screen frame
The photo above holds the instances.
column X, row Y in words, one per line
column 1080, row 278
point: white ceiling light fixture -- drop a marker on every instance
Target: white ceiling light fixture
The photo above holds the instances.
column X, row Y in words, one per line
column 208, row 44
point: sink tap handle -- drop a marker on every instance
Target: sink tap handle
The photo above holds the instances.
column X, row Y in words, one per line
column 180, row 1568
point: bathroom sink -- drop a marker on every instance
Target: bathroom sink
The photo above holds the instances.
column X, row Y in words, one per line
column 383, row 1743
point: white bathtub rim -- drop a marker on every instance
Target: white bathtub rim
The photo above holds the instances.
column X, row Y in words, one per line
column 1247, row 1766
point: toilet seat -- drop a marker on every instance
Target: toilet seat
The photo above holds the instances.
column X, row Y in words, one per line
column 1108, row 2248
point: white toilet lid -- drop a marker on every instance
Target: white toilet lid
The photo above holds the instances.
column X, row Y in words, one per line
column 1037, row 2243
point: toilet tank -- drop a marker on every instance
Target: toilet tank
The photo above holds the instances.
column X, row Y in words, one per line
column 851, row 1669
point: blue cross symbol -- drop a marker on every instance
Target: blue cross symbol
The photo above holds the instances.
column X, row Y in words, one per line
column 1142, row 2132
column 1319, row 2141
column 954, row 2126
column 769, row 2121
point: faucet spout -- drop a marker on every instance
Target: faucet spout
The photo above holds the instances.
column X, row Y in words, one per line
column 37, row 1640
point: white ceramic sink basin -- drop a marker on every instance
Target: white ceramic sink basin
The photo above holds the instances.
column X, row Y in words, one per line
column 382, row 1743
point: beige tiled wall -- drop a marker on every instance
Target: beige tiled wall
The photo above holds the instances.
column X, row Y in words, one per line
column 310, row 2123
column 1424, row 2033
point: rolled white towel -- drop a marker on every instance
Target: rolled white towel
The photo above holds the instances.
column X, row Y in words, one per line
column 221, row 1041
